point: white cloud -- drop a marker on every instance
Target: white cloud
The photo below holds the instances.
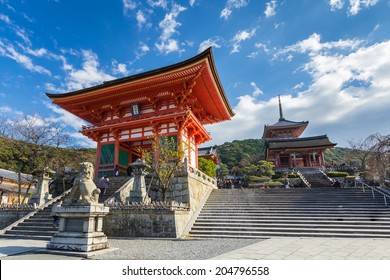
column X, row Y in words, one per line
column 8, row 50
column 168, row 46
column 128, row 5
column 5, row 109
column 336, row 4
column 143, row 47
column 5, row 18
column 256, row 90
column 211, row 42
column 89, row 75
column 230, row 5
column 355, row 6
column 169, row 25
column 192, row 2
column 65, row 117
column 349, row 95
column 313, row 46
column 141, row 19
column 119, row 68
column 241, row 36
column 262, row 46
column 158, row 3
column 270, row 9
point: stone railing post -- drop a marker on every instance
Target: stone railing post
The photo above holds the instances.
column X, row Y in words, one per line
column 41, row 195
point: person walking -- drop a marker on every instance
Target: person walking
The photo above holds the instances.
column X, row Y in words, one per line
column 103, row 184
column 53, row 213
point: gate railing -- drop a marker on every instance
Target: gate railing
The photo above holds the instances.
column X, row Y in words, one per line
column 374, row 191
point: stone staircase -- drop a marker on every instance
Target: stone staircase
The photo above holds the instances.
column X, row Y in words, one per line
column 316, row 178
column 114, row 184
column 39, row 226
column 315, row 212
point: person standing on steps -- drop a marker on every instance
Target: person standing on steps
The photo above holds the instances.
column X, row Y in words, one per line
column 53, row 213
column 103, row 184
column 286, row 183
column 116, row 171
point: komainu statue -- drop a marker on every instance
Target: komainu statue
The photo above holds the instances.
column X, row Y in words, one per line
column 84, row 190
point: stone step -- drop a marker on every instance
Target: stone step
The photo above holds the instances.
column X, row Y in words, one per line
column 257, row 235
column 305, row 226
column 21, row 236
column 270, row 205
column 293, row 231
column 33, row 228
column 307, row 221
column 31, row 232
column 291, row 216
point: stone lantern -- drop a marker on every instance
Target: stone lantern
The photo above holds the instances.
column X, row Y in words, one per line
column 138, row 192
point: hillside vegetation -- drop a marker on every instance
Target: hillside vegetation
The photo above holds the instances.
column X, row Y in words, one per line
column 29, row 158
column 245, row 152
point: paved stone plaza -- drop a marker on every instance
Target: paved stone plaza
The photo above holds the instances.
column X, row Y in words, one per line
column 217, row 249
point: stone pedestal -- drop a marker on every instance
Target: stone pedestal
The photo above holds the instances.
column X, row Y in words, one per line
column 80, row 229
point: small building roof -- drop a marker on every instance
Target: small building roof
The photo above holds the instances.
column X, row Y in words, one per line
column 13, row 176
column 300, row 143
column 208, row 153
column 205, row 151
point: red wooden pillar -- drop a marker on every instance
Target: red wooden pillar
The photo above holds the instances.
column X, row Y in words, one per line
column 116, row 152
column 98, row 155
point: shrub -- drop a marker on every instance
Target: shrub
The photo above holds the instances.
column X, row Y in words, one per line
column 333, row 174
column 273, row 184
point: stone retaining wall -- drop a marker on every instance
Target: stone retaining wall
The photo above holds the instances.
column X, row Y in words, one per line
column 145, row 223
column 190, row 187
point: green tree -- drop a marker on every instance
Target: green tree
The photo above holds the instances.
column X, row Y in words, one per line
column 266, row 168
column 207, row 166
column 165, row 157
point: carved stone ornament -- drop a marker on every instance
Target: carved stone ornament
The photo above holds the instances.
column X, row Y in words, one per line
column 84, row 190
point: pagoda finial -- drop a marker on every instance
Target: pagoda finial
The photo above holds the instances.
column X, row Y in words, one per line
column 280, row 110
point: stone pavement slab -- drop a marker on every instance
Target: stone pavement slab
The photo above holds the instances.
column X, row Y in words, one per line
column 313, row 249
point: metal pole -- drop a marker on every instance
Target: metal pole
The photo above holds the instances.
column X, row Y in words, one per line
column 373, row 194
column 385, row 200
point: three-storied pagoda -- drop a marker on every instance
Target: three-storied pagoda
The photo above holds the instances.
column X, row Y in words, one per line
column 176, row 101
column 286, row 149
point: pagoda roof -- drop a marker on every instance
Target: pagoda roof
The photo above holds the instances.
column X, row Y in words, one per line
column 284, row 128
column 321, row 141
column 295, row 129
column 194, row 80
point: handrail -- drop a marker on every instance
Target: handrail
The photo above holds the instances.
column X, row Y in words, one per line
column 305, row 181
column 326, row 176
column 48, row 203
column 373, row 190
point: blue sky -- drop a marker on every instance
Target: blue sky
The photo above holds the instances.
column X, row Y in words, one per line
column 329, row 60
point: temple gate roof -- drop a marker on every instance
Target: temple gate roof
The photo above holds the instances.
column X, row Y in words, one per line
column 193, row 83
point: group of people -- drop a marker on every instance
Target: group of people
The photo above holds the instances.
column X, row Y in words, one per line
column 104, row 181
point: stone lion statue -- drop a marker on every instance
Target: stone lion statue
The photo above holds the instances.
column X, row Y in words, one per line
column 84, row 190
